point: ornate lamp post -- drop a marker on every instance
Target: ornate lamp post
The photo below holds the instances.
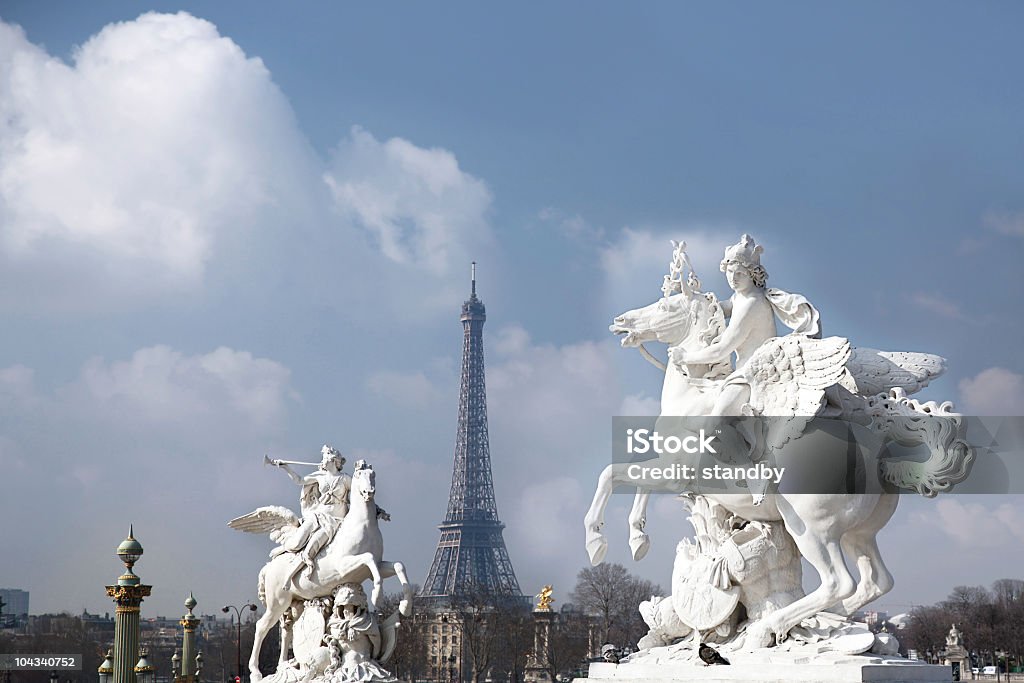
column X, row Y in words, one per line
column 144, row 671
column 238, row 641
column 127, row 593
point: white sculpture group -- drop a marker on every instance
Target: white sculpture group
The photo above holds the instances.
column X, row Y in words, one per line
column 738, row 583
column 312, row 584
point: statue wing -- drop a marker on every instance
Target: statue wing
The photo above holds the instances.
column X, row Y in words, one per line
column 266, row 520
column 788, row 377
column 875, row 372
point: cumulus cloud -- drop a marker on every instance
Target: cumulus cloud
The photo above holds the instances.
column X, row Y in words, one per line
column 1005, row 222
column 168, row 440
column 162, row 160
column 548, row 512
column 573, row 226
column 413, row 390
column 640, row 404
column 973, row 525
column 995, row 391
column 422, row 209
column 635, row 263
column 161, row 387
column 940, row 306
column 159, row 142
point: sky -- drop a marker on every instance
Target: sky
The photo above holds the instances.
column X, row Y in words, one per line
column 234, row 229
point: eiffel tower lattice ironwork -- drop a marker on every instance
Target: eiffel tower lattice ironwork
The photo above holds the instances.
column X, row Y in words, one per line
column 471, row 557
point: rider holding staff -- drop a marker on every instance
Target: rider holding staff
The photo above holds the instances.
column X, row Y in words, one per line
column 324, row 503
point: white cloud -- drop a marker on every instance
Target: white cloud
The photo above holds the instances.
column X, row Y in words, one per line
column 636, row 262
column 640, row 404
column 938, row 305
column 162, row 390
column 548, row 513
column 994, row 391
column 573, row 226
column 1005, row 222
column 510, row 340
column 162, row 160
column 973, row 525
column 164, row 439
column 419, row 205
column 109, row 184
column 412, row 390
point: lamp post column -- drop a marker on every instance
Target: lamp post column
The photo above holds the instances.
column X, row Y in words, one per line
column 238, row 641
column 127, row 593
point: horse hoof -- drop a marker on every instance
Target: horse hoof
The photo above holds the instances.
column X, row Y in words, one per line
column 597, row 548
column 759, row 636
column 640, row 544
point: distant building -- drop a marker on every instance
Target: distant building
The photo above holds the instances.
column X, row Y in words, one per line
column 15, row 606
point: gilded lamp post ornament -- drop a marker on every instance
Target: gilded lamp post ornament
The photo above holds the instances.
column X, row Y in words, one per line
column 737, row 584
column 544, row 599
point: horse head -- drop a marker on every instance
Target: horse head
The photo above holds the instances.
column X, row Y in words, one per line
column 363, row 481
column 688, row 319
column 684, row 316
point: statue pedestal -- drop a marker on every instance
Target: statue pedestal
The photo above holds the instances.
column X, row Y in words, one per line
column 845, row 670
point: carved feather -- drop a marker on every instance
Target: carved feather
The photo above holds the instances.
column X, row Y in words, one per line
column 876, row 372
column 265, row 520
column 788, row 377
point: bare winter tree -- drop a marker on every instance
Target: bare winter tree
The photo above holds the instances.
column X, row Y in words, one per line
column 409, row 660
column 612, row 595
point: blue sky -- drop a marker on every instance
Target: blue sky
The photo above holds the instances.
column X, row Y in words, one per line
column 246, row 229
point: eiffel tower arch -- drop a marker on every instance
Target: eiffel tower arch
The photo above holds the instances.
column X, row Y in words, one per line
column 471, row 557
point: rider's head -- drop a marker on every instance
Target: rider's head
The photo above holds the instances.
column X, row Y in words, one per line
column 744, row 258
column 330, row 454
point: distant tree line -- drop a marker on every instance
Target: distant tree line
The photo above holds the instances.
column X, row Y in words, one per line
column 990, row 619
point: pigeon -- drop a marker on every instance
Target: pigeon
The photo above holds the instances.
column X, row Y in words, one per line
column 709, row 655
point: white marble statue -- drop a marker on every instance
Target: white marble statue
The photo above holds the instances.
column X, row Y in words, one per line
column 725, row 358
column 349, row 550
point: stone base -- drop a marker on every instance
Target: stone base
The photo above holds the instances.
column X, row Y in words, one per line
column 846, row 670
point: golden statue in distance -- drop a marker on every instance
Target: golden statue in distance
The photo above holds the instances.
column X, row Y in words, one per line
column 544, row 599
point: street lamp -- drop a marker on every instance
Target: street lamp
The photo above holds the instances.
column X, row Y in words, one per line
column 238, row 641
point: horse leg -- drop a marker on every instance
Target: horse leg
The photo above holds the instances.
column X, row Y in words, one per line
column 593, row 522
column 277, row 605
column 861, row 543
column 639, row 541
column 289, row 618
column 398, row 569
column 816, row 533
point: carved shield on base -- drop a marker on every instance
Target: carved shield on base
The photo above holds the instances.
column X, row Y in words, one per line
column 697, row 600
column 308, row 630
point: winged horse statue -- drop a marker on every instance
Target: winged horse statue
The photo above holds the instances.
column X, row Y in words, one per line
column 793, row 378
column 354, row 555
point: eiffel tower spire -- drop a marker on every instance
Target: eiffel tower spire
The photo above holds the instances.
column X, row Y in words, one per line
column 471, row 556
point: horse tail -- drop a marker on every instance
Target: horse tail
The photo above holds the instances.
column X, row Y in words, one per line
column 910, row 422
column 261, row 585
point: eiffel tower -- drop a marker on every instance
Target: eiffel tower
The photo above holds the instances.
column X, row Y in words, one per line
column 471, row 558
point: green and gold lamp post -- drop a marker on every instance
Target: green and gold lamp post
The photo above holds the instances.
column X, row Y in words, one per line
column 127, row 593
